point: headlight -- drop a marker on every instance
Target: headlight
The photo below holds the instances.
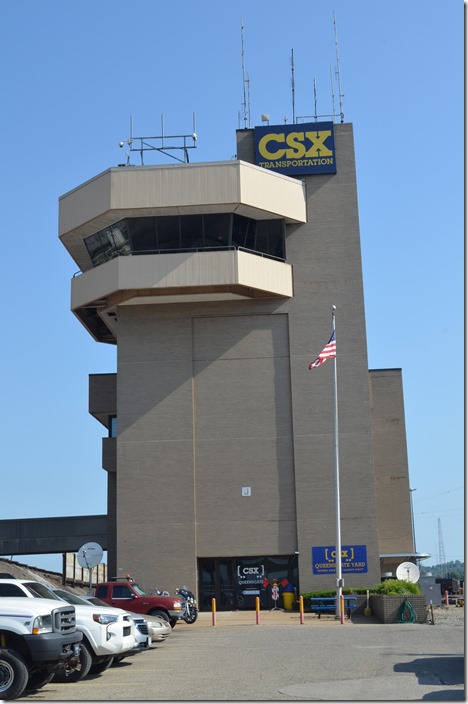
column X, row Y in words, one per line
column 104, row 619
column 177, row 605
column 42, row 624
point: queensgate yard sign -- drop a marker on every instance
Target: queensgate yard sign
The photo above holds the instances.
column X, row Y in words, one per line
column 353, row 559
column 307, row 148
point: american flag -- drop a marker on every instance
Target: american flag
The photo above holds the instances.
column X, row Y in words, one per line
column 328, row 352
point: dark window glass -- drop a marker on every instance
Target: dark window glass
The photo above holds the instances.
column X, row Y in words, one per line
column 191, row 231
column 112, row 426
column 11, row 590
column 101, row 592
column 109, row 243
column 143, row 234
column 216, row 230
column 171, row 233
column 121, row 592
column 168, row 232
column 240, row 227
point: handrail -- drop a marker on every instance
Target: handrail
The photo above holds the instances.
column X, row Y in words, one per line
column 185, row 250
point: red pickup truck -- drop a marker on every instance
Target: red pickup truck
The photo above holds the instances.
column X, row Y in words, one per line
column 126, row 594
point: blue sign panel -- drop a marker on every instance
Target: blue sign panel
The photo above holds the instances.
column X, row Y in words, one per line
column 307, row 148
column 353, row 559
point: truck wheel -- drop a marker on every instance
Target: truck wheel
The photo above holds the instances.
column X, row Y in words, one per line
column 101, row 666
column 77, row 673
column 13, row 674
column 159, row 614
column 39, row 679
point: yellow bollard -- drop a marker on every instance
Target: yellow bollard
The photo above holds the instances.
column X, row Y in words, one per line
column 342, row 608
column 213, row 612
column 257, row 610
column 301, row 609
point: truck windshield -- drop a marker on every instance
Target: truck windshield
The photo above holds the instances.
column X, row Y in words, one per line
column 40, row 591
column 138, row 590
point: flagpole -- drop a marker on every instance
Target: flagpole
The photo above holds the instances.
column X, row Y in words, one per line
column 339, row 579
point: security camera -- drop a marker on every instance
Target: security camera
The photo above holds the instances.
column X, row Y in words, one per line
column 121, row 144
column 194, row 136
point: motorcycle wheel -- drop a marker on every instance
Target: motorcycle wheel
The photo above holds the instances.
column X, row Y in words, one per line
column 191, row 617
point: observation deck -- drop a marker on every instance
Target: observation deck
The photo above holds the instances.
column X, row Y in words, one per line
column 179, row 233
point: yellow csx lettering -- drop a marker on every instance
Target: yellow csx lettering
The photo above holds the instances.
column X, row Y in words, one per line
column 296, row 143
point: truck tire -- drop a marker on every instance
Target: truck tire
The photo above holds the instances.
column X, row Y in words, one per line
column 159, row 614
column 101, row 666
column 39, row 679
column 80, row 671
column 14, row 674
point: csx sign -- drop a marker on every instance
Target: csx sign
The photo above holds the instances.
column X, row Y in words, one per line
column 353, row 559
column 307, row 148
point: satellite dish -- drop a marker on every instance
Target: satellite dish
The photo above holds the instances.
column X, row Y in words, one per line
column 89, row 555
column 408, row 572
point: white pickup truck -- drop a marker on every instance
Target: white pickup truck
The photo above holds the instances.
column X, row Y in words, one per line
column 36, row 639
column 107, row 632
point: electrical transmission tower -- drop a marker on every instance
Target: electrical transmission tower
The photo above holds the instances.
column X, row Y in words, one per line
column 442, row 560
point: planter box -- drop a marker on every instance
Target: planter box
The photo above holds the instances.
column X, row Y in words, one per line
column 385, row 607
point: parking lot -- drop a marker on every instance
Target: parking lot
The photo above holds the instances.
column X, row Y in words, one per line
column 282, row 659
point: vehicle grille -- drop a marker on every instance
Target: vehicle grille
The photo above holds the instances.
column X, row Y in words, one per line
column 143, row 628
column 127, row 630
column 64, row 619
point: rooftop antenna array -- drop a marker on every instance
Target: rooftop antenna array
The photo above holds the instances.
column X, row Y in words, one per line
column 245, row 85
column 164, row 144
column 316, row 116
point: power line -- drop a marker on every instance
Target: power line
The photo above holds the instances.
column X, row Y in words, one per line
column 434, row 496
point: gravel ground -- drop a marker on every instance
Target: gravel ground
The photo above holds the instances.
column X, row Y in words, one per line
column 448, row 616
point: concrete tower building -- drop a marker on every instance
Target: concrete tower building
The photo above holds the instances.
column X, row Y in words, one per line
column 216, row 282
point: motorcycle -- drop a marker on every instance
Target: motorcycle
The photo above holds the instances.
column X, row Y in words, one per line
column 191, row 610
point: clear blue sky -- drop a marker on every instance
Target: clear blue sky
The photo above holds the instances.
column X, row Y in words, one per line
column 72, row 73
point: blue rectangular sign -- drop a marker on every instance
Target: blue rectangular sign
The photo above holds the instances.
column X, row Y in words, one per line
column 353, row 559
column 307, row 148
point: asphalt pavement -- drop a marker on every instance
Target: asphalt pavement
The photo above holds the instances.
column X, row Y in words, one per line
column 275, row 657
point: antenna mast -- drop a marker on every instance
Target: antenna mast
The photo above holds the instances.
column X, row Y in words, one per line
column 338, row 70
column 442, row 561
column 245, row 82
column 332, row 93
column 292, row 88
column 315, row 98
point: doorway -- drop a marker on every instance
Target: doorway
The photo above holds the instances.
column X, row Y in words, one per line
column 235, row 582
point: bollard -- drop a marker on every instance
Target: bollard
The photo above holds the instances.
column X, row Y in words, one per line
column 446, row 598
column 342, row 608
column 213, row 612
column 301, row 609
column 257, row 610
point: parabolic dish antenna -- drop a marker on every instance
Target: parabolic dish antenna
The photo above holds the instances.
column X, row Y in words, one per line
column 89, row 555
column 408, row 572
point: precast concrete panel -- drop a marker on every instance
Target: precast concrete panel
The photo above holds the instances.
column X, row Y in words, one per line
column 243, row 435
column 391, row 461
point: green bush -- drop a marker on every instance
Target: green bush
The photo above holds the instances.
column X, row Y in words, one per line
column 396, row 586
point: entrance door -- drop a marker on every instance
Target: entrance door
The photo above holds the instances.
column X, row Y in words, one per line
column 217, row 580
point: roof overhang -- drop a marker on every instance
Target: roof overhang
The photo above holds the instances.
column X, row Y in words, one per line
column 183, row 189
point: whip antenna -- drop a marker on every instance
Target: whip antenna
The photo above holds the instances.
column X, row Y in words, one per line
column 245, row 83
column 292, row 88
column 341, row 96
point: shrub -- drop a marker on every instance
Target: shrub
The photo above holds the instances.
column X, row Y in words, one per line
column 396, row 586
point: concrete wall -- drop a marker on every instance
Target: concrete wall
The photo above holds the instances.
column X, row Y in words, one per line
column 391, row 462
